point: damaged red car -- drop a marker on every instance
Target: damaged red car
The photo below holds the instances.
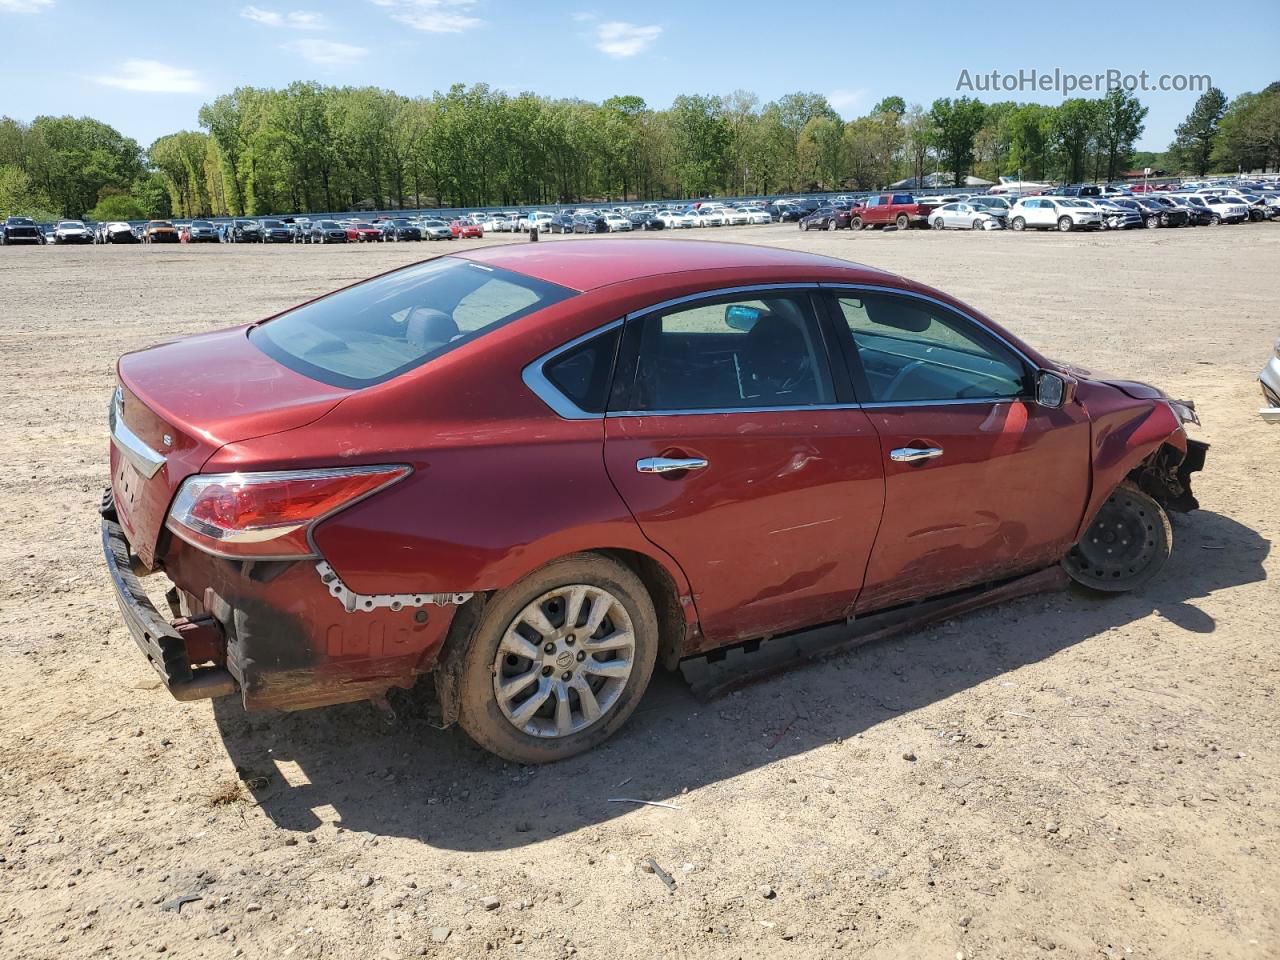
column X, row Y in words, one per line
column 538, row 471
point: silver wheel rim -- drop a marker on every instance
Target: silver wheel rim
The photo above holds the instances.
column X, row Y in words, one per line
column 564, row 661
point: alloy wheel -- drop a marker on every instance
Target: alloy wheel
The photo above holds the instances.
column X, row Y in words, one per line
column 564, row 661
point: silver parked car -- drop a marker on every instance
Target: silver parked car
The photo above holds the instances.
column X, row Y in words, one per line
column 963, row 216
column 1270, row 380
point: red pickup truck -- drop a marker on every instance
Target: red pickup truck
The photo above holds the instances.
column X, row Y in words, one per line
column 899, row 209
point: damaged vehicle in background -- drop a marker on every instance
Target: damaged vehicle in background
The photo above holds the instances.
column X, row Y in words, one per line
column 1270, row 381
column 679, row 448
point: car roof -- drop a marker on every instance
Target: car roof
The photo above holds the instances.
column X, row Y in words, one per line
column 588, row 266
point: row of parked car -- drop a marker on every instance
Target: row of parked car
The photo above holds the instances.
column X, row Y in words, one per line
column 1118, row 211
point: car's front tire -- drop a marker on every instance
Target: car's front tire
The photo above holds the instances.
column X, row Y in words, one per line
column 1065, row 224
column 558, row 661
column 1126, row 545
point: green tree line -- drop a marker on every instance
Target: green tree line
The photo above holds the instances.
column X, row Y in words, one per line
column 309, row 147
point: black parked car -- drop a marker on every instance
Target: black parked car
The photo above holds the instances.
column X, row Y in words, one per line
column 244, row 231
column 643, row 220
column 1164, row 213
column 827, row 218
column 328, row 231
column 562, row 223
column 400, row 229
column 275, row 231
column 22, row 230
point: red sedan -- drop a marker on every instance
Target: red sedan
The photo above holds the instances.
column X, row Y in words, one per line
column 363, row 233
column 539, row 471
column 466, row 229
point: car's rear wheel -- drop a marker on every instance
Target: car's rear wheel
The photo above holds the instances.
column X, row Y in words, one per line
column 902, row 222
column 1019, row 223
column 855, row 223
column 1125, row 546
column 938, row 223
column 558, row 661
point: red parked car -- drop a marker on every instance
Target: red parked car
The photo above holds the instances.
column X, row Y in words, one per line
column 538, row 471
column 466, row 229
column 363, row 233
column 901, row 210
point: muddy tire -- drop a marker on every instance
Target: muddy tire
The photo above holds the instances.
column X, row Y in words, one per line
column 902, row 222
column 1126, row 545
column 558, row 661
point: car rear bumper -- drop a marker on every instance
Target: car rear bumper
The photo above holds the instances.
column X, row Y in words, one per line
column 164, row 643
column 277, row 633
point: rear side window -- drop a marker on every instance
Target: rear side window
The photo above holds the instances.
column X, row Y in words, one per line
column 379, row 329
column 730, row 354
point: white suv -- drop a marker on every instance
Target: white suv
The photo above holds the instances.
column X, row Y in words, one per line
column 1054, row 213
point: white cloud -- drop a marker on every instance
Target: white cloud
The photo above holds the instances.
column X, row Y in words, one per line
column 151, row 76
column 326, row 53
column 843, row 101
column 24, row 6
column 433, row 16
column 618, row 39
column 295, row 19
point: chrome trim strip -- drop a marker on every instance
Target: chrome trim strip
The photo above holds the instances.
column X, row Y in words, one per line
column 535, row 379
column 140, row 456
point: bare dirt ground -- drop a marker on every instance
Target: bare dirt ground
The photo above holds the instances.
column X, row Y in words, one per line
column 1091, row 777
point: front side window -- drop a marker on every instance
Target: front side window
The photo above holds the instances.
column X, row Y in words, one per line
column 912, row 351
column 763, row 350
column 376, row 330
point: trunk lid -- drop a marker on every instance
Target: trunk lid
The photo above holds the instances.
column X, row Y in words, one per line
column 179, row 402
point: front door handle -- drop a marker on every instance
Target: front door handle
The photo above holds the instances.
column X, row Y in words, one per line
column 669, row 464
column 912, row 454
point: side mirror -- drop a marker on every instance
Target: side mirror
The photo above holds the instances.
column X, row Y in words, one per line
column 739, row 317
column 1054, row 390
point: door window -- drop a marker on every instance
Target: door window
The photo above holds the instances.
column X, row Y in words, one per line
column 912, row 351
column 763, row 350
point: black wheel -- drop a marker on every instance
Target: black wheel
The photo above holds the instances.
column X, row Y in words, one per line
column 938, row 223
column 855, row 224
column 1125, row 546
column 831, row 225
column 558, row 661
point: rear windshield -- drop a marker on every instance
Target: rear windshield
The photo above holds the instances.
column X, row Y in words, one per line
column 377, row 330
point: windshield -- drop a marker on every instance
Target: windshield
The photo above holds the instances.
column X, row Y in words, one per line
column 74, row 224
column 201, row 223
column 377, row 330
column 272, row 223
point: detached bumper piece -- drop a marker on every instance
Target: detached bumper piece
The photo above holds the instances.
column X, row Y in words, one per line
column 168, row 646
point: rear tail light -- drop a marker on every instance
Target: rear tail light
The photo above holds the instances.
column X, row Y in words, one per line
column 269, row 515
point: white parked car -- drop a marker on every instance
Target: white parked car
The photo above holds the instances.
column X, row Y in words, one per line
column 963, row 216
column 616, row 222
column 539, row 220
column 708, row 218
column 1221, row 209
column 757, row 215
column 734, row 216
column 675, row 220
column 72, row 231
column 1054, row 213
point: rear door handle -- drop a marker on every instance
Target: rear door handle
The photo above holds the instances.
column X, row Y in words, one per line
column 669, row 464
column 912, row 454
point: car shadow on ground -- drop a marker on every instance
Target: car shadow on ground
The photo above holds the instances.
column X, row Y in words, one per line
column 344, row 765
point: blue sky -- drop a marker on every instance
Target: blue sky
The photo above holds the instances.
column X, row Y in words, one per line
column 146, row 67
